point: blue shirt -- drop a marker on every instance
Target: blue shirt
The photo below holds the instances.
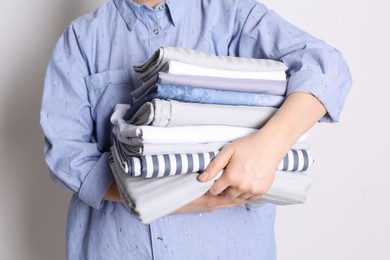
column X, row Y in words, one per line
column 91, row 70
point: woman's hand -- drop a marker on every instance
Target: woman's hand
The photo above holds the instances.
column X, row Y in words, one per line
column 250, row 162
column 249, row 167
column 248, row 174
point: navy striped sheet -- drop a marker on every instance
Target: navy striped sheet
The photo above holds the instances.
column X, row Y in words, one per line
column 168, row 164
column 296, row 161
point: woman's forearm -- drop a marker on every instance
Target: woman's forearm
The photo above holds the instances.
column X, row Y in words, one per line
column 296, row 116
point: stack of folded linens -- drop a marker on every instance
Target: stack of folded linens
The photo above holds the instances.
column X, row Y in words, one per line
column 189, row 105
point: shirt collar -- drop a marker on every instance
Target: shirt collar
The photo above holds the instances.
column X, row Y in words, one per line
column 131, row 11
column 177, row 9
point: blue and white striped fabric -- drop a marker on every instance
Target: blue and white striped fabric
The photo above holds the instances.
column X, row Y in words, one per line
column 296, row 161
column 151, row 166
column 168, row 164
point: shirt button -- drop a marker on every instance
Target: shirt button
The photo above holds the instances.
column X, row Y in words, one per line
column 161, row 7
column 155, row 31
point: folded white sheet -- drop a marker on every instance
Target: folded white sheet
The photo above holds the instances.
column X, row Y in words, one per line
column 181, row 68
column 203, row 59
column 139, row 135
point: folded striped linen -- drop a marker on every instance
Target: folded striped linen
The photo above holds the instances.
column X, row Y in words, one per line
column 153, row 198
column 205, row 96
column 199, row 58
column 171, row 113
column 164, row 165
column 271, row 87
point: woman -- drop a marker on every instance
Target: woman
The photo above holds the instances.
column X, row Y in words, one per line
column 90, row 71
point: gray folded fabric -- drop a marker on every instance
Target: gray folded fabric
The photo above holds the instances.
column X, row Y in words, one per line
column 170, row 113
column 271, row 87
column 156, row 149
column 121, row 186
column 151, row 149
column 150, row 199
column 190, row 56
column 287, row 189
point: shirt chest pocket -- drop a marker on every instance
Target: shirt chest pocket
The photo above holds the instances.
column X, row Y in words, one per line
column 105, row 90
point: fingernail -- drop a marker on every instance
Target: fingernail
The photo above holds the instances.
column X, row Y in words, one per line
column 204, row 176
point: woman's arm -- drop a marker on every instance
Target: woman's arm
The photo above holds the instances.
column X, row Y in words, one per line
column 250, row 162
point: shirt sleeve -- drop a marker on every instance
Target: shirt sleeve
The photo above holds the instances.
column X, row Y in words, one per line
column 74, row 159
column 313, row 66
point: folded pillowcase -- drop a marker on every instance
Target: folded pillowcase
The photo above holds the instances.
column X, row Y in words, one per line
column 171, row 113
column 181, row 68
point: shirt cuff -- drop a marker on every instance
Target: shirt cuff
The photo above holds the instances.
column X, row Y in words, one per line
column 97, row 183
column 322, row 87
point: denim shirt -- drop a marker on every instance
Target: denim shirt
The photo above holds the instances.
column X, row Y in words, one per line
column 91, row 70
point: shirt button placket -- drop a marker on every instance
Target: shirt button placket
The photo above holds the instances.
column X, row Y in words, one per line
column 156, row 30
column 158, row 239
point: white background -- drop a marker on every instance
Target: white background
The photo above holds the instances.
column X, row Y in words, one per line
column 347, row 214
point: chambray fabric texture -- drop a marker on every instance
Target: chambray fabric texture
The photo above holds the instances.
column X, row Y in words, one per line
column 272, row 87
column 90, row 71
column 205, row 96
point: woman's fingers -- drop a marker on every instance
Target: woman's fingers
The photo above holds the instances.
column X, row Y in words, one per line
column 216, row 165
